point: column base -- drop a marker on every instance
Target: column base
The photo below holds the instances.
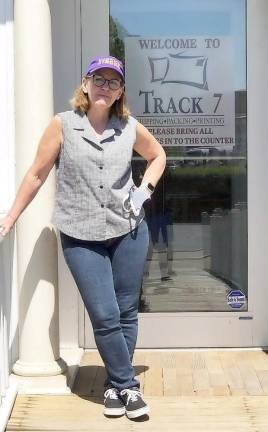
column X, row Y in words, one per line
column 58, row 384
column 56, row 367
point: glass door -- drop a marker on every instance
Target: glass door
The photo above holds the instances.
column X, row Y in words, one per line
column 186, row 82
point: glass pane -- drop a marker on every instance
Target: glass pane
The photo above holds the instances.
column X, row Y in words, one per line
column 186, row 82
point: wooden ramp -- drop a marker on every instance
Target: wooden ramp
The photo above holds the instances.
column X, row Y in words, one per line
column 188, row 391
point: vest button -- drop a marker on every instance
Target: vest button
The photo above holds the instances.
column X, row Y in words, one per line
column 100, row 167
column 102, row 205
column 101, row 186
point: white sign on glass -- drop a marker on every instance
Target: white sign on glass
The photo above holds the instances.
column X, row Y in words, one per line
column 182, row 89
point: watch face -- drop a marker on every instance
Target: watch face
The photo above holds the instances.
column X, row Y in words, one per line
column 151, row 187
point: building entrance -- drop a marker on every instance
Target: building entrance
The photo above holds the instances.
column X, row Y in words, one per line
column 186, row 82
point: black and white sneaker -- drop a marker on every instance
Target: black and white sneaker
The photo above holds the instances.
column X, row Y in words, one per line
column 113, row 404
column 135, row 405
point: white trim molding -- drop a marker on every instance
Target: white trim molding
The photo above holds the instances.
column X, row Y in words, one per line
column 7, row 118
column 257, row 68
column 8, row 285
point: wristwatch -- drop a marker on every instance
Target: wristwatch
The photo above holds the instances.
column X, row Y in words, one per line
column 148, row 187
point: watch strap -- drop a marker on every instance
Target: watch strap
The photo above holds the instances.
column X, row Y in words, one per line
column 148, row 186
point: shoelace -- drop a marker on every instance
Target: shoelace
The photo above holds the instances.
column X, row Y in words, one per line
column 111, row 393
column 132, row 395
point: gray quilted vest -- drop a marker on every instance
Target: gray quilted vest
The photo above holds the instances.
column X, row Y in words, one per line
column 93, row 177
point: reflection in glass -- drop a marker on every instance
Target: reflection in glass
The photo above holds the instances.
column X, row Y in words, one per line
column 198, row 236
column 197, row 217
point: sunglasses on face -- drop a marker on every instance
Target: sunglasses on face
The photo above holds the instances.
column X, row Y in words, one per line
column 100, row 81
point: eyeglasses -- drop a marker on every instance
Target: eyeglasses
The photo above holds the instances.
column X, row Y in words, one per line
column 100, row 81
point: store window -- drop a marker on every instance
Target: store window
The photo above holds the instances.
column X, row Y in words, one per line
column 186, row 82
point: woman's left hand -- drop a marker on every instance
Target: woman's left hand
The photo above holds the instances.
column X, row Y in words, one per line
column 135, row 200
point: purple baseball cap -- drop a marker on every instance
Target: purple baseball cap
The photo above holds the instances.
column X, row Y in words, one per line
column 106, row 62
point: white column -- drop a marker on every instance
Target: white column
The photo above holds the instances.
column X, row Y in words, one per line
column 37, row 243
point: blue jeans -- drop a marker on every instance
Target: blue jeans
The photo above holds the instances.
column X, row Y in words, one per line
column 109, row 277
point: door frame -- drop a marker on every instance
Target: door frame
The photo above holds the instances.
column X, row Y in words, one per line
column 205, row 329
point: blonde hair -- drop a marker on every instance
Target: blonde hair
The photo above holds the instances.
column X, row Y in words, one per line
column 81, row 102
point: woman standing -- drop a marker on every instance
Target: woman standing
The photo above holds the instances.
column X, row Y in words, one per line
column 99, row 213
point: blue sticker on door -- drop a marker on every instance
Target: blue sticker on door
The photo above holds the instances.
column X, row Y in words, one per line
column 236, row 299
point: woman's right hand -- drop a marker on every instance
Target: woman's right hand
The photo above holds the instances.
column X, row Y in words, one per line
column 6, row 224
column 46, row 156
